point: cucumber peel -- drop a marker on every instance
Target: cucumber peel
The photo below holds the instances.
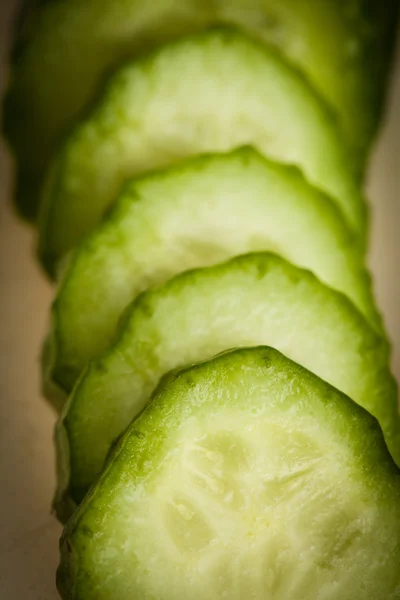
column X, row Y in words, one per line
column 246, row 476
column 249, row 300
column 210, row 92
column 196, row 214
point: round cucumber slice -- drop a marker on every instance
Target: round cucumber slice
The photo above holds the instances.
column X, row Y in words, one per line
column 208, row 93
column 253, row 299
column 245, row 477
column 70, row 46
column 207, row 210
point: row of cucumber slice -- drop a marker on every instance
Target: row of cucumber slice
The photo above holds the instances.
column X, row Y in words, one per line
column 207, row 198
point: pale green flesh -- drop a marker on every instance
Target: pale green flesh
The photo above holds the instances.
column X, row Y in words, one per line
column 207, row 93
column 245, row 477
column 73, row 45
column 254, row 299
column 195, row 215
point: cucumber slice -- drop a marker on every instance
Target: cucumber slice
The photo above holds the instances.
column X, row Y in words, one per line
column 246, row 477
column 72, row 45
column 253, row 299
column 207, row 210
column 208, row 93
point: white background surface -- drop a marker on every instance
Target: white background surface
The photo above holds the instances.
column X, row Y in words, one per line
column 28, row 533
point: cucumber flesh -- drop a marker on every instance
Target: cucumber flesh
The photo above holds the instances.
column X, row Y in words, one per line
column 197, row 214
column 70, row 46
column 245, row 477
column 250, row 300
column 208, row 93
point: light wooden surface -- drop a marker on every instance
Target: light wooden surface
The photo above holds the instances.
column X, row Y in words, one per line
column 28, row 533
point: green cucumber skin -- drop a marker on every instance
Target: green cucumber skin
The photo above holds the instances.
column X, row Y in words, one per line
column 87, row 570
column 180, row 85
column 343, row 48
column 202, row 312
column 76, row 312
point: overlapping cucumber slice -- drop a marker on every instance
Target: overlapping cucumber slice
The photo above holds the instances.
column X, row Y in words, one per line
column 253, row 299
column 207, row 93
column 207, row 210
column 71, row 46
column 246, row 476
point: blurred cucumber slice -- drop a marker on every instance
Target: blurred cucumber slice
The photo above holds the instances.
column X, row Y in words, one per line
column 62, row 58
column 253, row 299
column 199, row 213
column 246, row 476
column 207, row 93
